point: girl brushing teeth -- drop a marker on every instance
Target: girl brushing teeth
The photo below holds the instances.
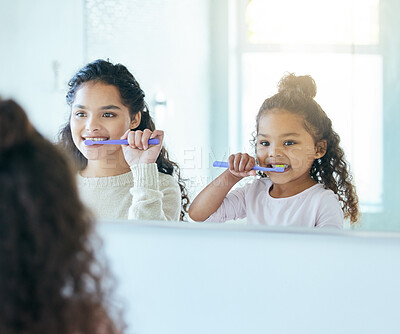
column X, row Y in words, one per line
column 315, row 188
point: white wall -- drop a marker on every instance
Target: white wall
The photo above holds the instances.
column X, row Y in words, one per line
column 36, row 36
column 199, row 278
column 165, row 44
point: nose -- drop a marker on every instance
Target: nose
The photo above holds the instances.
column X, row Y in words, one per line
column 274, row 151
column 92, row 124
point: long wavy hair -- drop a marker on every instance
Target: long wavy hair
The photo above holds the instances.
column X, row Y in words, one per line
column 296, row 95
column 132, row 96
column 50, row 280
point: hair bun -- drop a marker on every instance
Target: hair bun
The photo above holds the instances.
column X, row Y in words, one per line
column 304, row 85
column 14, row 125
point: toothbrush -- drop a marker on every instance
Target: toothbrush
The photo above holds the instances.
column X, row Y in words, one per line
column 278, row 169
column 90, row 142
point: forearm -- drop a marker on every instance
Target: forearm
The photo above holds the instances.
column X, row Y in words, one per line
column 211, row 197
column 153, row 198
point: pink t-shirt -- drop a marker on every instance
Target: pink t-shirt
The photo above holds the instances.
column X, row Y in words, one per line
column 313, row 207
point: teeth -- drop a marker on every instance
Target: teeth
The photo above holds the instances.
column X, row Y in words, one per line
column 96, row 139
column 276, row 166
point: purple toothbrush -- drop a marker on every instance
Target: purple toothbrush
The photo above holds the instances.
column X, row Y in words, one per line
column 90, row 142
column 264, row 169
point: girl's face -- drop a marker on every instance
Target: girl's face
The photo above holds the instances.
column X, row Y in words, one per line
column 98, row 113
column 283, row 140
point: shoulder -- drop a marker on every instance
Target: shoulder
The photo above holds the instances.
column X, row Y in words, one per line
column 319, row 199
column 171, row 190
column 326, row 199
column 167, row 181
column 320, row 191
column 328, row 209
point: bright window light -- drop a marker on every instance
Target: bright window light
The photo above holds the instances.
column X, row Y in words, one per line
column 342, row 22
column 347, row 95
column 349, row 80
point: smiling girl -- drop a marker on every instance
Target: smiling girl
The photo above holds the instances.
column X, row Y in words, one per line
column 315, row 188
column 132, row 181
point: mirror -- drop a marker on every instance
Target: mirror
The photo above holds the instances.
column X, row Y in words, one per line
column 207, row 66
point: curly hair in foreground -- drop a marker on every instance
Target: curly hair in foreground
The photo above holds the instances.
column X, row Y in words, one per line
column 50, row 280
column 296, row 95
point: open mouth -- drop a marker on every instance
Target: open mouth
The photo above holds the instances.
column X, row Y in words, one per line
column 278, row 165
column 96, row 141
column 96, row 138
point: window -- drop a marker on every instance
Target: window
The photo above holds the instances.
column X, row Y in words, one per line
column 337, row 43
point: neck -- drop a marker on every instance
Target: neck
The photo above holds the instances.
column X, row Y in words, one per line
column 106, row 167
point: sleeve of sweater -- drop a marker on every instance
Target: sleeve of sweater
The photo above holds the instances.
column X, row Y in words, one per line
column 154, row 197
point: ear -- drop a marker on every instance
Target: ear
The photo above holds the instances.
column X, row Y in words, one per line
column 320, row 149
column 136, row 120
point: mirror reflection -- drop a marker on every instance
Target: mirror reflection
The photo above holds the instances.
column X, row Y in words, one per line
column 207, row 66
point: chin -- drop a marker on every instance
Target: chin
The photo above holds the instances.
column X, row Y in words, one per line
column 90, row 155
column 278, row 179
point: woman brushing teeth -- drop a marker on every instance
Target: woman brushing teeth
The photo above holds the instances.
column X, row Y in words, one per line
column 133, row 181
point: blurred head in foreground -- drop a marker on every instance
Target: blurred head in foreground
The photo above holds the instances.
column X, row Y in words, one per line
column 50, row 281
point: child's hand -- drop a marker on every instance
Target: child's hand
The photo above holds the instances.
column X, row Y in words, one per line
column 139, row 151
column 241, row 165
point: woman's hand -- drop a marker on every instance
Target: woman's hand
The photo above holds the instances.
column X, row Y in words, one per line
column 139, row 151
column 240, row 165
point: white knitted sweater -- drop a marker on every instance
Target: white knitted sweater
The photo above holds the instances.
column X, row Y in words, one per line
column 142, row 193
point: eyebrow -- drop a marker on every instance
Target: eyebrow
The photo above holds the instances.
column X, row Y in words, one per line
column 108, row 107
column 79, row 106
column 289, row 134
column 111, row 106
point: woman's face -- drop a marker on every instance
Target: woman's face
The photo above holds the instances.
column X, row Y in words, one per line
column 98, row 114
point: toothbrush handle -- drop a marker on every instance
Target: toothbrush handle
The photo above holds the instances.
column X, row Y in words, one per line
column 265, row 169
column 153, row 141
column 116, row 142
column 220, row 164
column 225, row 165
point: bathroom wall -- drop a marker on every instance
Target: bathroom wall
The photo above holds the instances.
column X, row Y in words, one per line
column 41, row 45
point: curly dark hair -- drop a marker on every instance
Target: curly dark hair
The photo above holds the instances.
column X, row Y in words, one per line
column 133, row 97
column 296, row 95
column 50, row 280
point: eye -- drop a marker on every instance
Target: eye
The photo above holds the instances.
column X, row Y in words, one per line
column 289, row 143
column 80, row 114
column 264, row 143
column 108, row 115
